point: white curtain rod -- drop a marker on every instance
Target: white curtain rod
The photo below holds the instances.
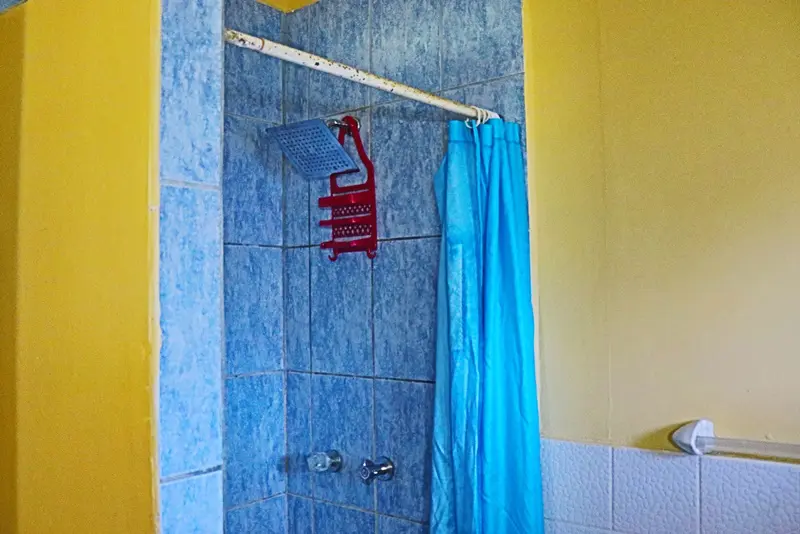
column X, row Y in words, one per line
column 293, row 55
column 698, row 438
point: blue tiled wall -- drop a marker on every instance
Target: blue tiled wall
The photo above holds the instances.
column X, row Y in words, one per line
column 317, row 354
column 190, row 381
column 252, row 192
column 593, row 489
column 360, row 334
column 5, row 5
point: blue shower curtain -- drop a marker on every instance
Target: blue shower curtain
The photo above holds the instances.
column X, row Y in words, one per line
column 486, row 466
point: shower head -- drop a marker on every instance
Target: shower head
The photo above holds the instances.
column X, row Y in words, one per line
column 313, row 149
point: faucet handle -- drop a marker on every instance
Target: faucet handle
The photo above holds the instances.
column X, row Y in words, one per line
column 319, row 462
column 383, row 470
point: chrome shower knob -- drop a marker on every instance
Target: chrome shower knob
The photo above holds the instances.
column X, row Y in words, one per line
column 383, row 470
column 320, row 462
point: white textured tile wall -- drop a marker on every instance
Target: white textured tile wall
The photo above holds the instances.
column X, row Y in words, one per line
column 576, row 481
column 591, row 489
column 748, row 496
column 655, row 493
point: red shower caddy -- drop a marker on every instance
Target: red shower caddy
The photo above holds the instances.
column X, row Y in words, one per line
column 353, row 222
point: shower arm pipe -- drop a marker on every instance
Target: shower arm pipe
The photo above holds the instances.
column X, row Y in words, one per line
column 299, row 57
column 698, row 438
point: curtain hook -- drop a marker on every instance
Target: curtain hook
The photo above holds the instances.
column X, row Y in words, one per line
column 482, row 115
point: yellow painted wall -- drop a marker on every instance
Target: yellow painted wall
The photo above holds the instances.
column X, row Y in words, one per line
column 667, row 171
column 11, row 48
column 82, row 156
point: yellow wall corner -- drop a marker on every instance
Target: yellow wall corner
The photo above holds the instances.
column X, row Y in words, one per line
column 81, row 114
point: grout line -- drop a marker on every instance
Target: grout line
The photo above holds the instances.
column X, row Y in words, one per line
column 223, row 428
column 611, row 486
column 699, row 501
column 282, row 73
column 339, row 114
column 363, row 377
column 482, row 82
column 252, row 119
column 255, row 501
column 441, row 92
column 253, row 374
column 223, row 333
column 410, row 238
column 356, row 508
column 372, row 382
column 370, row 35
column 308, row 216
column 191, row 185
column 286, row 509
column 306, row 114
column 440, row 38
column 380, row 240
column 372, row 316
column 310, row 316
column 341, row 505
column 415, row 521
column 190, row 474
column 286, row 462
column 312, row 477
column 253, row 245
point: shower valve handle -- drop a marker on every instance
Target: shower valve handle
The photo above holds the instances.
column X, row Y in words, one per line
column 383, row 470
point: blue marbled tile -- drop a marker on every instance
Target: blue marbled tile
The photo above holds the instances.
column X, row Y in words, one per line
column 480, row 40
column 392, row 525
column 250, row 16
column 341, row 318
column 298, row 428
column 321, row 188
column 257, row 97
column 506, row 97
column 295, row 104
column 263, row 517
column 295, row 77
column 404, row 426
column 253, row 80
column 297, row 309
column 301, row 515
column 190, row 292
column 407, row 150
column 192, row 505
column 745, row 496
column 241, row 62
column 253, row 309
column 191, row 91
column 655, row 493
column 252, row 184
column 331, row 519
column 576, row 481
column 338, row 31
column 296, row 194
column 5, row 5
column 342, row 420
column 405, row 308
column 254, row 438
column 405, row 44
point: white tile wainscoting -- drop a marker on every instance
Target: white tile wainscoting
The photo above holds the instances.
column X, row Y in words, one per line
column 596, row 489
